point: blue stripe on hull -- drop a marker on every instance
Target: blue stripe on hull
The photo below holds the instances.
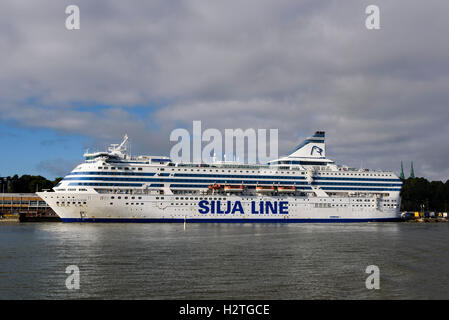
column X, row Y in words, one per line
column 162, row 220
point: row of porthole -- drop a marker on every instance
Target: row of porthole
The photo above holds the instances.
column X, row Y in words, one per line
column 68, row 202
column 127, row 203
column 119, row 168
column 119, row 197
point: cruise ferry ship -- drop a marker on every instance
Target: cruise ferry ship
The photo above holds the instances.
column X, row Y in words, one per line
column 303, row 186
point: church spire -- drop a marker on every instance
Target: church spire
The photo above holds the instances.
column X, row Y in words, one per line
column 412, row 171
column 402, row 176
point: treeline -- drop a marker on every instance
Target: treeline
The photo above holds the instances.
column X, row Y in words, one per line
column 420, row 194
column 26, row 184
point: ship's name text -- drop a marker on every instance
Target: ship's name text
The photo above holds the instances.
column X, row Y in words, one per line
column 233, row 207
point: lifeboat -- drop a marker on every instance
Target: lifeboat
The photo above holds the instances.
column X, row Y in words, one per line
column 265, row 188
column 286, row 189
column 234, row 188
column 214, row 186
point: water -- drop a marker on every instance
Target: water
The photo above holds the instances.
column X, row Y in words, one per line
column 221, row 261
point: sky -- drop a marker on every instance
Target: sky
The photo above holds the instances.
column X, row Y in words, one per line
column 147, row 67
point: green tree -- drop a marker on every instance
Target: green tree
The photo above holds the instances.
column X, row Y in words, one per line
column 56, row 181
column 418, row 191
column 437, row 196
column 29, row 184
column 415, row 192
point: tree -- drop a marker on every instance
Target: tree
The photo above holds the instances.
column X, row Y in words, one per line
column 437, row 196
column 415, row 192
column 418, row 191
column 30, row 184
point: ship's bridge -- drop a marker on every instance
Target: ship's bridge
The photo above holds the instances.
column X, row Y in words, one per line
column 115, row 152
column 93, row 157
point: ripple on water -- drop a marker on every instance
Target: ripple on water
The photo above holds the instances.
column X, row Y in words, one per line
column 220, row 261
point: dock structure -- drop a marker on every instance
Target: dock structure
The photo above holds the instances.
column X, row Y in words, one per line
column 427, row 216
column 25, row 206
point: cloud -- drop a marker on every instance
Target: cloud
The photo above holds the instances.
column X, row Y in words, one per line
column 56, row 167
column 382, row 96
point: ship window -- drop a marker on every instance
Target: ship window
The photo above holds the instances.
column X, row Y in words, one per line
column 140, row 169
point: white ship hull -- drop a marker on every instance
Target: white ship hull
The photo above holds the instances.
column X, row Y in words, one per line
column 100, row 208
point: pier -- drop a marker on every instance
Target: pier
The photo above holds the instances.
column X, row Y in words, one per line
column 25, row 207
column 425, row 216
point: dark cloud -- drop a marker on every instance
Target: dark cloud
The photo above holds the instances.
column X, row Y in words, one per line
column 382, row 96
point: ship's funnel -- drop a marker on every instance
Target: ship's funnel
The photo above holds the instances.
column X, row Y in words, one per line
column 312, row 147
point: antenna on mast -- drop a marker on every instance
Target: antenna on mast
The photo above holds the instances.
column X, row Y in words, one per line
column 119, row 149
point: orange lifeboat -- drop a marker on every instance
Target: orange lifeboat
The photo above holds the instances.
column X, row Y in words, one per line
column 234, row 188
column 214, row 186
column 286, row 189
column 265, row 188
